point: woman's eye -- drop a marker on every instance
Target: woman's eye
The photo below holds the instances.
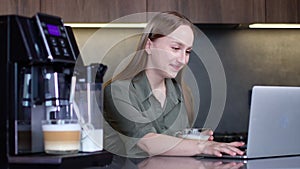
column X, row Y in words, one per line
column 188, row 51
column 175, row 48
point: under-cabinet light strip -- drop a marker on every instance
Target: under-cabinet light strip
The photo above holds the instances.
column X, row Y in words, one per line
column 269, row 25
column 106, row 25
column 143, row 25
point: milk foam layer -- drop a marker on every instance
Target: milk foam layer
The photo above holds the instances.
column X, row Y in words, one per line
column 61, row 145
column 61, row 127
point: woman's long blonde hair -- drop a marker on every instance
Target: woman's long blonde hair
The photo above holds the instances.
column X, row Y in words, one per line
column 159, row 26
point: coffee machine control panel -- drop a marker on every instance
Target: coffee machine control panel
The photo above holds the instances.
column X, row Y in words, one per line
column 55, row 38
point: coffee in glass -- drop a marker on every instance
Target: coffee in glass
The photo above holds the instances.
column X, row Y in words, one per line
column 61, row 136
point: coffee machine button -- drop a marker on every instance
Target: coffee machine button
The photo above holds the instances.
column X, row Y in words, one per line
column 66, row 53
column 62, row 42
column 53, row 41
column 56, row 50
column 43, row 24
column 46, row 32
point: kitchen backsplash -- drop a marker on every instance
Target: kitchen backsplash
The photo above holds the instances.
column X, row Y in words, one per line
column 108, row 46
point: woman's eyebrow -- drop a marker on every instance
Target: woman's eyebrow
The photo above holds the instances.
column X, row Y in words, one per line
column 181, row 44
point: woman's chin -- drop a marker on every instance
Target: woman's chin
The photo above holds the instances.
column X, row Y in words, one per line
column 172, row 74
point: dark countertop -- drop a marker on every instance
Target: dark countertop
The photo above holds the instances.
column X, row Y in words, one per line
column 42, row 160
column 109, row 161
column 203, row 163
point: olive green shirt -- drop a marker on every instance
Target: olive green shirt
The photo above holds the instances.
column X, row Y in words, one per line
column 132, row 111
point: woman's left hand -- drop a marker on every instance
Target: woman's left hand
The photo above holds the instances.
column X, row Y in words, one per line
column 218, row 148
column 208, row 132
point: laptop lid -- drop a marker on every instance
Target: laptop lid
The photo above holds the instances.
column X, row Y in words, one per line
column 274, row 163
column 274, row 122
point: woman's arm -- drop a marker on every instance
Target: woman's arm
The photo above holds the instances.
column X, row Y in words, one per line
column 160, row 144
column 124, row 117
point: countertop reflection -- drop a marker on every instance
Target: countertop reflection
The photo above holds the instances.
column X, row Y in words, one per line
column 187, row 163
column 160, row 162
column 163, row 162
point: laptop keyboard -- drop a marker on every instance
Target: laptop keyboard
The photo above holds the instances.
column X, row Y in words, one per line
column 230, row 137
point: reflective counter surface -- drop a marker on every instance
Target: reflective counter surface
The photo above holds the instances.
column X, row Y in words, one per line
column 116, row 162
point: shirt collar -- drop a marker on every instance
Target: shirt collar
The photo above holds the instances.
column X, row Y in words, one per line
column 143, row 89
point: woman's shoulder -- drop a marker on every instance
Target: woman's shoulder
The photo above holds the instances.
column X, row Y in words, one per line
column 138, row 80
column 119, row 91
column 117, row 87
column 121, row 83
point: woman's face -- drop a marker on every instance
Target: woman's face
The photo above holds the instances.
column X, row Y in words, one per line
column 169, row 54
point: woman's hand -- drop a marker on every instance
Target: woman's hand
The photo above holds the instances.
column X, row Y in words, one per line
column 218, row 148
column 161, row 144
column 210, row 133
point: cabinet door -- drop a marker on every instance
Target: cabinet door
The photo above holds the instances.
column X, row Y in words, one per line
column 93, row 10
column 19, row 7
column 28, row 7
column 287, row 11
column 8, row 7
column 213, row 11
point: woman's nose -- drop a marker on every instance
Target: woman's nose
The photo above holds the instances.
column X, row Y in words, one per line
column 182, row 58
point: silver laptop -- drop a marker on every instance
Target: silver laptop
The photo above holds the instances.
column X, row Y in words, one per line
column 274, row 122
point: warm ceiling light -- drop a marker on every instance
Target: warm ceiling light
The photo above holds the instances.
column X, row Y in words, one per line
column 271, row 25
column 106, row 25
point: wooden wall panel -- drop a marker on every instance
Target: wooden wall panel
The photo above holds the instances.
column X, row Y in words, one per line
column 28, row 7
column 92, row 10
column 8, row 7
column 286, row 11
column 259, row 11
column 19, row 7
column 213, row 11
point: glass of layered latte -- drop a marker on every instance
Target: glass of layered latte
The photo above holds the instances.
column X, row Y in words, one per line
column 61, row 136
column 195, row 133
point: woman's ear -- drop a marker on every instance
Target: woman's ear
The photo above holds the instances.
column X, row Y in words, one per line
column 148, row 46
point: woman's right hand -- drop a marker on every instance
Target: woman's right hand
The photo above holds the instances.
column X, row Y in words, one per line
column 161, row 144
column 219, row 148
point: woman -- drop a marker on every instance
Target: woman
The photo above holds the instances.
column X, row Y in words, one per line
column 148, row 102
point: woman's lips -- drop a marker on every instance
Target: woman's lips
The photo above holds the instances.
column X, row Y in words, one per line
column 176, row 67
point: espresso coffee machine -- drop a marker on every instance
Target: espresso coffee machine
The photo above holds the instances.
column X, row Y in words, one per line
column 38, row 56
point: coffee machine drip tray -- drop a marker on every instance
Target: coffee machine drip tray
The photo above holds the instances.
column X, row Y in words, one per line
column 80, row 158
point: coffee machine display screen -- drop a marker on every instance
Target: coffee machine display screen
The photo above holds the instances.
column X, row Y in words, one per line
column 53, row 30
